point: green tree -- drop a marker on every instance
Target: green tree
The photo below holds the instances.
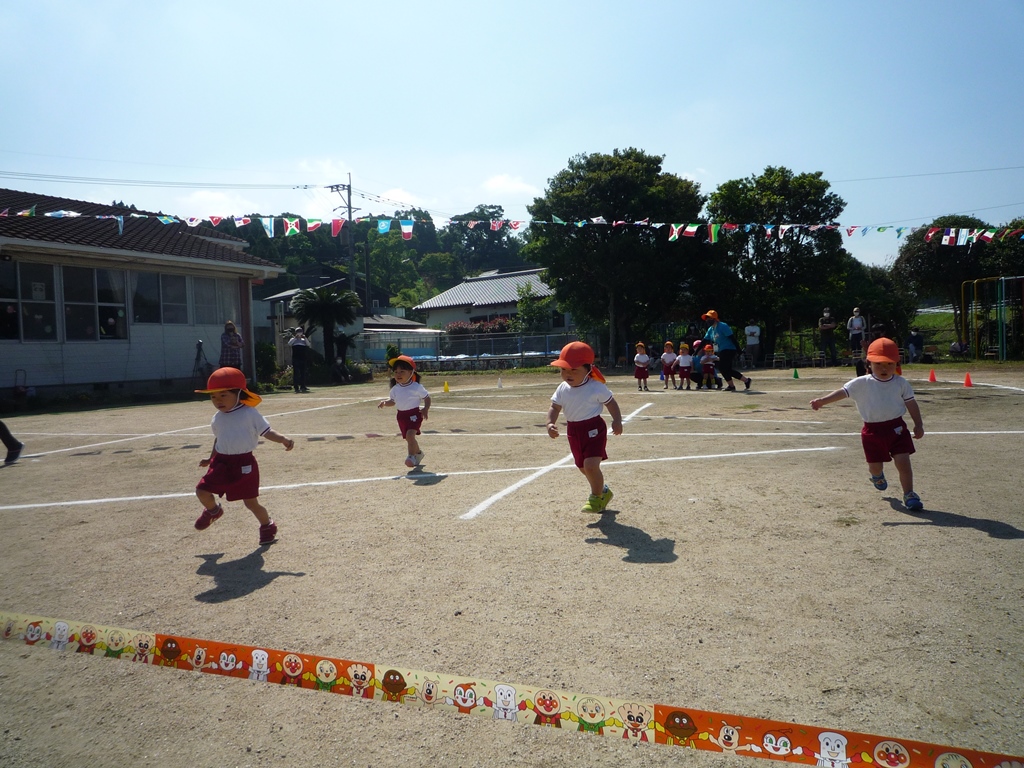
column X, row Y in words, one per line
column 478, row 247
column 326, row 307
column 440, row 271
column 532, row 311
column 779, row 278
column 615, row 277
column 929, row 270
column 392, row 262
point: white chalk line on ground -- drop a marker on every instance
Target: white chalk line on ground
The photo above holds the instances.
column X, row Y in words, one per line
column 483, row 505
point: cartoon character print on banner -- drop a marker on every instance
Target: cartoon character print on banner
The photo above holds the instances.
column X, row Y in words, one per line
column 625, row 719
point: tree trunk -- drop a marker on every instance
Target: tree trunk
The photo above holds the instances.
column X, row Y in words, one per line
column 329, row 344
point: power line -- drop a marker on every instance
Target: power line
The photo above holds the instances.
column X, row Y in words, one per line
column 936, row 173
column 144, row 183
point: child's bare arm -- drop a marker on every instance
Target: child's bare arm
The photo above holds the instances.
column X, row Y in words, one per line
column 613, row 409
column 386, row 403
column 425, row 408
column 277, row 437
column 915, row 413
column 831, row 397
column 553, row 412
column 213, row 452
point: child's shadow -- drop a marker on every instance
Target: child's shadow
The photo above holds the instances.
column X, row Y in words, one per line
column 420, row 477
column 235, row 578
column 997, row 529
column 639, row 546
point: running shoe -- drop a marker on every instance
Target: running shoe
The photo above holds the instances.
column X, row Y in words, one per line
column 13, row 454
column 268, row 534
column 208, row 517
column 417, row 458
column 879, row 481
column 594, row 504
column 912, row 501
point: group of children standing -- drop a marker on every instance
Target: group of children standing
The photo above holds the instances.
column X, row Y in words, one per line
column 882, row 397
column 684, row 363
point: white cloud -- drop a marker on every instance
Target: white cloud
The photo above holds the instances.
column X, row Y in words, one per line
column 507, row 186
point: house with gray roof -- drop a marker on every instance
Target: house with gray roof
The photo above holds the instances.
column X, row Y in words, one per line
column 486, row 297
column 96, row 297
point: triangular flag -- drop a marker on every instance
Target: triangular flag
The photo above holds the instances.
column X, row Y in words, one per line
column 167, row 219
column 931, row 232
column 900, row 231
column 880, row 229
column 336, row 225
column 406, row 226
column 768, row 229
column 4, row 211
column 496, row 224
column 713, row 232
column 312, row 225
column 291, row 226
column 728, row 227
column 215, row 220
column 580, row 223
column 619, row 223
column 556, row 220
column 193, row 221
column 62, row 214
column 268, row 225
column 674, row 230
column 599, row 220
column 851, row 230
column 515, row 225
column 471, row 224
column 865, row 230
column 241, row 221
column 28, row 212
column 783, row 228
column 949, row 236
column 140, row 216
column 384, row 226
column 643, row 222
column 691, row 230
column 972, row 234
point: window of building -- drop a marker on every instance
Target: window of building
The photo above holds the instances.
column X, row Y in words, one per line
column 10, row 327
column 94, row 304
column 159, row 298
column 557, row 319
column 38, row 301
column 216, row 301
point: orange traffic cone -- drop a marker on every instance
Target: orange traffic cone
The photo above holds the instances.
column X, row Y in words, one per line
column 931, row 376
column 967, row 380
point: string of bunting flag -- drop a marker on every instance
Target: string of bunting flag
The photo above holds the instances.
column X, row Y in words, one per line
column 293, row 226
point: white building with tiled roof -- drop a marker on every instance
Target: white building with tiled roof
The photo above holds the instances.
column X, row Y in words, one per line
column 113, row 298
column 486, row 297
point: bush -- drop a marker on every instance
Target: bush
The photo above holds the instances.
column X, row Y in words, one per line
column 266, row 361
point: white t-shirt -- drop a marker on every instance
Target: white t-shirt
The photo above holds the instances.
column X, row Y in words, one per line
column 668, row 358
column 684, row 360
column 408, row 396
column 238, row 430
column 753, row 334
column 879, row 400
column 582, row 402
column 642, row 360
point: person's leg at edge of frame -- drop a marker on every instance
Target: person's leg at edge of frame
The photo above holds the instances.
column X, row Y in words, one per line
column 254, row 506
column 414, row 449
column 600, row 494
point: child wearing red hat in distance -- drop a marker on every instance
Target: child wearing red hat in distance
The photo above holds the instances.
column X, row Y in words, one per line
column 641, row 366
column 406, row 393
column 232, row 469
column 882, row 397
column 708, row 358
column 582, row 394
column 668, row 361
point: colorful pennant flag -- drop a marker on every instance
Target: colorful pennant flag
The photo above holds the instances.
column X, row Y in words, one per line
column 268, row 225
column 515, row 225
column 931, row 233
column 556, row 220
column 851, row 230
column 291, row 226
column 384, row 226
column 961, row 237
column 496, row 224
column 949, row 236
column 713, row 232
column 406, row 225
column 674, row 230
column 4, row 211
column 61, row 214
column 215, row 220
column 241, row 221
column 193, row 221
column 28, row 212
column 167, row 219
column 599, row 220
column 768, row 229
column 783, row 228
column 336, row 225
column 312, row 225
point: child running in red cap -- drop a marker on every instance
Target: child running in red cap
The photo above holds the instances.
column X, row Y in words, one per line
column 582, row 394
column 882, row 397
column 406, row 394
column 232, row 469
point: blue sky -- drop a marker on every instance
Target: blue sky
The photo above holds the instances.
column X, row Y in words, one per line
column 447, row 105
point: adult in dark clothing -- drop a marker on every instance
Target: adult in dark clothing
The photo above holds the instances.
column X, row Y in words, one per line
column 12, row 445
column 721, row 336
column 300, row 359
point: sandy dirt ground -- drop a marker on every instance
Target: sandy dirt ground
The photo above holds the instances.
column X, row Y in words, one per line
column 746, row 565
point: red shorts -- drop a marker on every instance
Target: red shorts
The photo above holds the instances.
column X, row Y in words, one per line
column 410, row 419
column 235, row 475
column 884, row 439
column 707, row 369
column 640, row 372
column 587, row 439
column 667, row 370
column 684, row 371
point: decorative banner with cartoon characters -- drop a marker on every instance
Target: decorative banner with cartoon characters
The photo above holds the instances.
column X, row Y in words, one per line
column 634, row 721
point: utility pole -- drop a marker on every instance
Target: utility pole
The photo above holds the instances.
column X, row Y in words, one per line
column 347, row 231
